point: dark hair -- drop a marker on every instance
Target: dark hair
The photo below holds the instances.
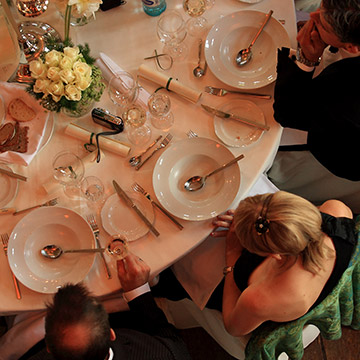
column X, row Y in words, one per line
column 344, row 17
column 73, row 306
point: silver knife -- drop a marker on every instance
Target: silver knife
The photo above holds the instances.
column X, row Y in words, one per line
column 226, row 115
column 122, row 194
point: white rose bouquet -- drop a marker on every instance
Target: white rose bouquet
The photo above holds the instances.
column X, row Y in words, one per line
column 65, row 77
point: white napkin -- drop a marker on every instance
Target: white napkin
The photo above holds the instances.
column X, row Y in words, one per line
column 109, row 68
column 36, row 126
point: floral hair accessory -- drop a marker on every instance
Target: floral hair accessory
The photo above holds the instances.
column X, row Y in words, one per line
column 262, row 224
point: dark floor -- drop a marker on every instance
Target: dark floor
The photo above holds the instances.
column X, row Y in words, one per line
column 203, row 347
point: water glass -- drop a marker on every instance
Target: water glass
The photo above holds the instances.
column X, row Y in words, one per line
column 123, row 90
column 118, row 247
column 171, row 30
column 159, row 107
column 92, row 188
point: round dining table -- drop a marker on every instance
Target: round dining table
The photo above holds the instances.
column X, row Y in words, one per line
column 127, row 35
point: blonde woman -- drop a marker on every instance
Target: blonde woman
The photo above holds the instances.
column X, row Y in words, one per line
column 283, row 256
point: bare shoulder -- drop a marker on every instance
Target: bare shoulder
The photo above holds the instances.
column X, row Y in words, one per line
column 336, row 208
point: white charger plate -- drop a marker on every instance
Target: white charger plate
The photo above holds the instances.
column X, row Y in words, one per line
column 235, row 32
column 118, row 219
column 46, row 226
column 8, row 187
column 187, row 158
column 235, row 133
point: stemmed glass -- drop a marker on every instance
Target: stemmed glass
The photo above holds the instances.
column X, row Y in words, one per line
column 160, row 114
column 92, row 189
column 32, row 8
column 171, row 30
column 123, row 90
column 135, row 117
column 118, row 247
column 197, row 24
column 69, row 170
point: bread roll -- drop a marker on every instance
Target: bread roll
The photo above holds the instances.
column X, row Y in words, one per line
column 20, row 111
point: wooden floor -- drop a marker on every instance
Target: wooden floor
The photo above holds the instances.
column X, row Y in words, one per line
column 202, row 347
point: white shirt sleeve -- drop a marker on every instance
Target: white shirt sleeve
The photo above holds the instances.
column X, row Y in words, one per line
column 132, row 294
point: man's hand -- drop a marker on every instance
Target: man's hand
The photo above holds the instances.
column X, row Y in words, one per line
column 132, row 272
column 310, row 41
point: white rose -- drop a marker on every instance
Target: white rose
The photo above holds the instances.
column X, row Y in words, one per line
column 71, row 52
column 66, row 63
column 41, row 86
column 38, row 69
column 72, row 93
column 82, row 82
column 53, row 73
column 67, row 76
column 53, row 57
column 82, row 69
column 56, row 89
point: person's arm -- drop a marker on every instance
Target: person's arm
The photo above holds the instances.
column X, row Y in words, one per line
column 336, row 208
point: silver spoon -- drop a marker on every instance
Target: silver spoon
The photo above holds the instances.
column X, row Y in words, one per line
column 244, row 55
column 199, row 71
column 53, row 251
column 135, row 160
column 197, row 182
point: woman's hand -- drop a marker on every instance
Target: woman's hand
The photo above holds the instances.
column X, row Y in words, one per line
column 223, row 221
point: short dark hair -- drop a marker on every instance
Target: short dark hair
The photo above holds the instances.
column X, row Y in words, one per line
column 73, row 305
column 344, row 17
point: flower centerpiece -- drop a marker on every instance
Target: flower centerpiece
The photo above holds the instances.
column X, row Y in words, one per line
column 66, row 77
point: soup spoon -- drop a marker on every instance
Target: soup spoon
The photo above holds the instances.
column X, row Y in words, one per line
column 245, row 55
column 199, row 71
column 53, row 251
column 197, row 182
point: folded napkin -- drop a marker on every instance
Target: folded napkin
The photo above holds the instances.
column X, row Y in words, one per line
column 88, row 161
column 110, row 68
column 169, row 83
column 36, row 126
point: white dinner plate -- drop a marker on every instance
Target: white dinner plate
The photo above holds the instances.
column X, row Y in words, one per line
column 118, row 219
column 187, row 158
column 235, row 133
column 235, row 32
column 8, row 187
column 47, row 226
column 250, row 1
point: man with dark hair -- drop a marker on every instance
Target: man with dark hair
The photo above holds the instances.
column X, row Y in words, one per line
column 77, row 326
column 326, row 106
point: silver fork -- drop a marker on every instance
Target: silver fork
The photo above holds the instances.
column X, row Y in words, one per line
column 164, row 143
column 191, row 134
column 5, row 241
column 138, row 188
column 222, row 92
column 95, row 228
column 51, row 202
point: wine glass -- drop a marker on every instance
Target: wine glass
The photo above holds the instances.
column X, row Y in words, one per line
column 68, row 170
column 123, row 90
column 92, row 189
column 135, row 117
column 171, row 30
column 118, row 247
column 197, row 24
column 160, row 114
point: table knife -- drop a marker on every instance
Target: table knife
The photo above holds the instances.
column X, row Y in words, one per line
column 122, row 194
column 226, row 115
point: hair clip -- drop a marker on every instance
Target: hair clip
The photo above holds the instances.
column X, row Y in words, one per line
column 262, row 225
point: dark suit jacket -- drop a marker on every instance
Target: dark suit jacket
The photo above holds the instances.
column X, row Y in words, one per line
column 143, row 333
column 326, row 106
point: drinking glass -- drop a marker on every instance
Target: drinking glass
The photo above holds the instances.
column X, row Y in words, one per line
column 123, row 90
column 160, row 114
column 92, row 188
column 171, row 30
column 118, row 247
column 197, row 24
column 135, row 117
column 32, row 8
column 68, row 170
